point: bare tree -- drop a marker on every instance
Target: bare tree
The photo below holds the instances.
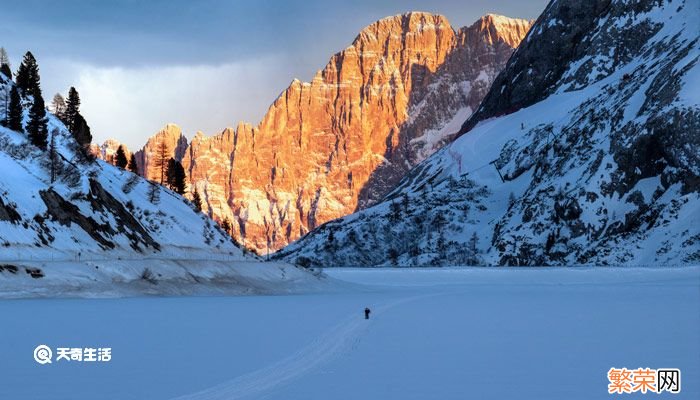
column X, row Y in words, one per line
column 4, row 58
column 5, row 67
column 161, row 158
column 58, row 106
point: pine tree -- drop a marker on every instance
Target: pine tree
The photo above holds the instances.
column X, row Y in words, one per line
column 197, row 201
column 474, row 243
column 120, row 158
column 551, row 240
column 394, row 212
column 58, row 106
column 170, row 174
column 5, row 67
column 473, row 249
column 133, row 167
column 441, row 246
column 5, row 102
column 439, row 221
column 37, row 126
column 393, row 256
column 81, row 133
column 28, row 76
column 5, row 70
column 52, row 155
column 154, row 193
column 330, row 241
column 180, row 178
column 175, row 176
column 14, row 112
column 226, row 225
column 70, row 116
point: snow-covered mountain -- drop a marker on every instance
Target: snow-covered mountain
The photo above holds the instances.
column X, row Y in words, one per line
column 339, row 143
column 586, row 150
column 96, row 226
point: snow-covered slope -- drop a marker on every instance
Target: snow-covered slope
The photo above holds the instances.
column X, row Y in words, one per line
column 97, row 224
column 594, row 126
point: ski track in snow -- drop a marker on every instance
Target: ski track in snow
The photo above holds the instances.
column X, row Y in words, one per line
column 335, row 342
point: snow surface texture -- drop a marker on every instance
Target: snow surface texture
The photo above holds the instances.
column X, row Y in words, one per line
column 101, row 231
column 451, row 333
column 604, row 170
column 212, row 275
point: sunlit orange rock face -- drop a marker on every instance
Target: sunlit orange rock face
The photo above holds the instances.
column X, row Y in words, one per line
column 175, row 147
column 340, row 142
column 108, row 150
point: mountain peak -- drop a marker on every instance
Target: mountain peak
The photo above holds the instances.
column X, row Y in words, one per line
column 411, row 15
column 401, row 24
column 495, row 28
column 171, row 128
column 500, row 20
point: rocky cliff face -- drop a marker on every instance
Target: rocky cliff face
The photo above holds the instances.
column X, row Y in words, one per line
column 336, row 144
column 171, row 140
column 108, row 150
column 585, row 151
column 444, row 99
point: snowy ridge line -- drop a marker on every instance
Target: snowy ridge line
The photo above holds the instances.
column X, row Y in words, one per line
column 335, row 342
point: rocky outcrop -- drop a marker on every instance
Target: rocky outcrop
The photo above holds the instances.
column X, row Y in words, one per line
column 339, row 143
column 64, row 212
column 107, row 151
column 446, row 97
column 536, row 70
column 168, row 140
column 8, row 212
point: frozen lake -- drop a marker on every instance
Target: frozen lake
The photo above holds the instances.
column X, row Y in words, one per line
column 434, row 334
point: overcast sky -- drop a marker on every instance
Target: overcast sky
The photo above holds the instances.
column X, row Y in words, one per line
column 203, row 65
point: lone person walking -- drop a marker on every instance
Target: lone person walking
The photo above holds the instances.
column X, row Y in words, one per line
column 367, row 311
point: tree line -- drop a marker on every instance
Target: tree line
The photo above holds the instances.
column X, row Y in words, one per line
column 171, row 172
column 27, row 89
